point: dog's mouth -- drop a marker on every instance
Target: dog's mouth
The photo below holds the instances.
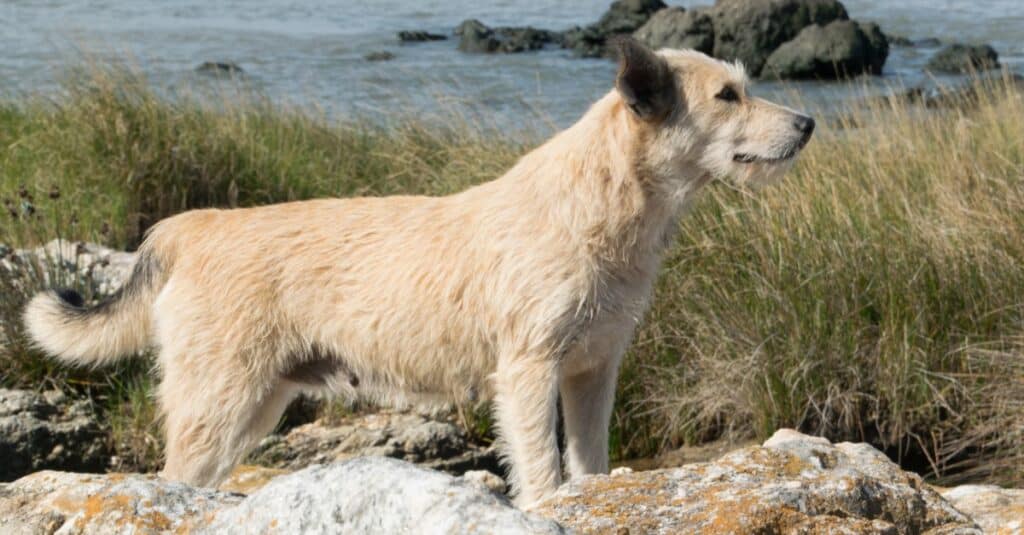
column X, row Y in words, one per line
column 742, row 157
column 788, row 154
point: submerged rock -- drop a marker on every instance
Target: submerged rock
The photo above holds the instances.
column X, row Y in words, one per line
column 431, row 442
column 843, row 48
column 961, row 58
column 418, row 36
column 380, row 55
column 792, row 484
column 220, row 68
column 676, row 27
column 49, row 431
column 750, row 30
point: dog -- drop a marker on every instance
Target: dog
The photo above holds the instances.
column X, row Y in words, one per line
column 525, row 290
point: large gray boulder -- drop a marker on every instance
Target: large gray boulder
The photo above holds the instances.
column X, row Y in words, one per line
column 792, row 484
column 843, row 48
column 376, row 495
column 960, row 58
column 49, row 431
column 675, row 27
column 750, row 30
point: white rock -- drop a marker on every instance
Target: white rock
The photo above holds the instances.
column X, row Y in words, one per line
column 375, row 495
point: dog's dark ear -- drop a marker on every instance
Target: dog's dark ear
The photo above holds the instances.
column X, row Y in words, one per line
column 644, row 80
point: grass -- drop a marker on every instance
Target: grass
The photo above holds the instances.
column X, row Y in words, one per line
column 874, row 295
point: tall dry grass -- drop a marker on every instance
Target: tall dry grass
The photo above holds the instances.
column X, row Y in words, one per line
column 874, row 295
column 877, row 294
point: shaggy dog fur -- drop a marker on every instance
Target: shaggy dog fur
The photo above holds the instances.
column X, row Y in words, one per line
column 524, row 289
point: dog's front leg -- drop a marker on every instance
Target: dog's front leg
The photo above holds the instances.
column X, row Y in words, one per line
column 587, row 399
column 526, row 399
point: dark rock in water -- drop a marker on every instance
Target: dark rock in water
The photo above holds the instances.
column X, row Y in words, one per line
column 48, row 431
column 965, row 96
column 521, row 39
column 750, row 30
column 586, row 42
column 380, row 55
column 622, row 17
column 419, row 36
column 477, row 37
column 928, row 42
column 219, row 68
column 899, row 40
column 676, row 27
column 626, row 16
column 961, row 58
column 843, row 48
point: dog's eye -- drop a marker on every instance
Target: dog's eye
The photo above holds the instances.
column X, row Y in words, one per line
column 728, row 94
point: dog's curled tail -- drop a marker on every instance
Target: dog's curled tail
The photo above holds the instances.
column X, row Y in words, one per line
column 59, row 322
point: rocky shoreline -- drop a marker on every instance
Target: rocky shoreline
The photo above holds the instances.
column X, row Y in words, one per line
column 776, row 39
column 793, row 483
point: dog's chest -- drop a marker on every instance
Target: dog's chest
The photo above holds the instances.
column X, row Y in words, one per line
column 613, row 308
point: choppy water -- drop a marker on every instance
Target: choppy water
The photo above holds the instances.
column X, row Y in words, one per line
column 311, row 52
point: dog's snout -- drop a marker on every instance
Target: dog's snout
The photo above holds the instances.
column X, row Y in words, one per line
column 804, row 124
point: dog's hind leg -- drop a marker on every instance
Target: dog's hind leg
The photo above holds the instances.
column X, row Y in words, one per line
column 526, row 402
column 213, row 418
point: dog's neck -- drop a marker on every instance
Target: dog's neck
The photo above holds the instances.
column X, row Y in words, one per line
column 595, row 182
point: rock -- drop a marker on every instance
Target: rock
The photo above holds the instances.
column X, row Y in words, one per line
column 750, row 30
column 220, row 68
column 247, row 478
column 961, row 58
column 100, row 270
column 622, row 17
column 792, row 484
column 586, row 42
column 843, row 48
column 84, row 504
column 928, row 42
column 48, row 431
column 375, row 495
column 380, row 55
column 476, row 37
column 626, row 16
column 430, row 442
column 487, row 480
column 995, row 509
column 675, row 27
column 419, row 36
column 899, row 40
column 963, row 96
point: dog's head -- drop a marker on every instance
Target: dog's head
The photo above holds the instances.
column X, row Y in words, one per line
column 701, row 120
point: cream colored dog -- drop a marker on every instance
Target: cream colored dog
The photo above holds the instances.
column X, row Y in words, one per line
column 523, row 289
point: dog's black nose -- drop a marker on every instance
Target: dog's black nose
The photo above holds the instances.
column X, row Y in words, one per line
column 804, row 124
